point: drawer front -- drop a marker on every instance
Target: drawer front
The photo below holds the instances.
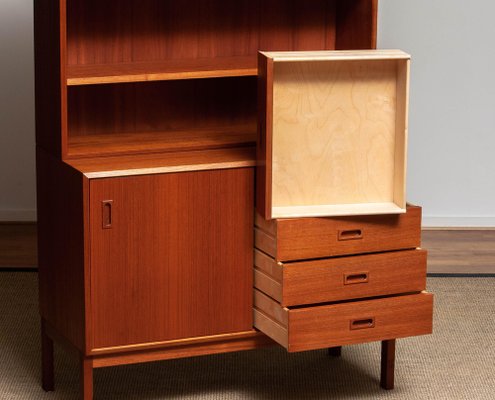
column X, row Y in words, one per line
column 341, row 278
column 310, row 328
column 308, row 238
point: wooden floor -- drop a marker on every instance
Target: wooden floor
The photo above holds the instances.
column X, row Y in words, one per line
column 460, row 251
column 449, row 251
column 18, row 245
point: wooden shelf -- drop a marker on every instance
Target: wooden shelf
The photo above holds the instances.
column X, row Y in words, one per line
column 145, row 164
column 217, row 67
column 156, row 142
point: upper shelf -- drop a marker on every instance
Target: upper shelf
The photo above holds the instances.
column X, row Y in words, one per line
column 218, row 67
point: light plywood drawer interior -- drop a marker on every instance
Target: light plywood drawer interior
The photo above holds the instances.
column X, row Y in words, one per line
column 335, row 130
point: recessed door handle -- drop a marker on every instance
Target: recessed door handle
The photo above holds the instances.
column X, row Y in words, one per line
column 363, row 323
column 356, row 278
column 352, row 234
column 106, row 213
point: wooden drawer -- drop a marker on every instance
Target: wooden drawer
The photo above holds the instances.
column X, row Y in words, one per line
column 332, row 133
column 310, row 328
column 307, row 238
column 341, row 278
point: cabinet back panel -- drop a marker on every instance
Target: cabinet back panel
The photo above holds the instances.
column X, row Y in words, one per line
column 209, row 112
column 356, row 25
column 162, row 106
column 119, row 31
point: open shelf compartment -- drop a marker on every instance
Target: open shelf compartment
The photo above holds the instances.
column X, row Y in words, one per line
column 147, row 40
column 161, row 117
column 333, row 137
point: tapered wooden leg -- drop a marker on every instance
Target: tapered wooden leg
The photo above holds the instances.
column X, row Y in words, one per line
column 335, row 351
column 388, row 364
column 47, row 378
column 86, row 378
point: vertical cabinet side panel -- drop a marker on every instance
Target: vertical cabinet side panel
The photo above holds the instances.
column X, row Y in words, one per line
column 174, row 257
column 61, row 197
column 50, row 62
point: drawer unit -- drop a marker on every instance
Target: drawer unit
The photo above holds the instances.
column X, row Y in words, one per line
column 330, row 325
column 340, row 278
column 308, row 238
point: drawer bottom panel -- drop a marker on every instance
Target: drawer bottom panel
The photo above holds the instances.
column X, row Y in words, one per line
column 310, row 328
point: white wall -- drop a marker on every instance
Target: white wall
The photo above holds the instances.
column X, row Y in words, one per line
column 17, row 152
column 451, row 169
column 452, row 130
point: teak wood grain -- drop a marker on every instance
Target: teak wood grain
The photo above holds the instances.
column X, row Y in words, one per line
column 176, row 261
column 86, row 377
column 160, row 142
column 62, row 201
column 220, row 67
column 333, row 132
column 189, row 347
column 309, row 328
column 151, row 30
column 245, row 341
column 50, row 90
column 263, row 139
column 160, row 163
column 387, row 364
column 357, row 24
column 161, row 116
column 341, row 278
column 307, row 238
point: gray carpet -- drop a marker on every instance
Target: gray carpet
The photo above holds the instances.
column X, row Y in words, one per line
column 456, row 362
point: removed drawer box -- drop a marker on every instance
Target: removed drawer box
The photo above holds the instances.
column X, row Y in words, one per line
column 341, row 278
column 317, row 327
column 306, row 238
column 332, row 133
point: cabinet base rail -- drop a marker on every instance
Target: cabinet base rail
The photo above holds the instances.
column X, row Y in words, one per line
column 244, row 342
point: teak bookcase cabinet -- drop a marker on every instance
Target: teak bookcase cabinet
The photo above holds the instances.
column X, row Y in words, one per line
column 146, row 122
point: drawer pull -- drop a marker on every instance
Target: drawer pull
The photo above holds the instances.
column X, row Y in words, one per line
column 353, row 279
column 365, row 323
column 106, row 215
column 353, row 234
